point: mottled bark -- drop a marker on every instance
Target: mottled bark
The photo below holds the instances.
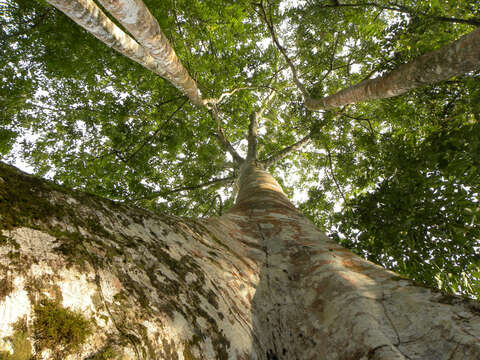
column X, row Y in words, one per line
column 260, row 282
column 457, row 58
column 137, row 19
column 160, row 59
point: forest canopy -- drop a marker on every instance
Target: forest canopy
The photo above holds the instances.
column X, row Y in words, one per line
column 396, row 180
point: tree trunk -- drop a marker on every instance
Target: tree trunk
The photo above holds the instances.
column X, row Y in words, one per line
column 260, row 282
column 457, row 58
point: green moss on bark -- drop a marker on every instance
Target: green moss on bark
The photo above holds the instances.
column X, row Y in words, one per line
column 22, row 349
column 58, row 328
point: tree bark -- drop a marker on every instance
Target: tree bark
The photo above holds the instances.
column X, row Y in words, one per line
column 137, row 19
column 157, row 55
column 459, row 57
column 260, row 282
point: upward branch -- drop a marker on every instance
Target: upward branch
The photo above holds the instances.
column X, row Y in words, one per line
column 137, row 19
column 287, row 150
column 157, row 55
column 222, row 139
column 457, row 58
column 89, row 16
column 271, row 29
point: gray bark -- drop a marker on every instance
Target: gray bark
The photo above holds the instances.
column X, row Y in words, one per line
column 260, row 282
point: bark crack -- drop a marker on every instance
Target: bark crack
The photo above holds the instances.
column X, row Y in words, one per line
column 389, row 319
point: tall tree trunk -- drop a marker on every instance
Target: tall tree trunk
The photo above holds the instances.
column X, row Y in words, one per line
column 260, row 282
column 457, row 58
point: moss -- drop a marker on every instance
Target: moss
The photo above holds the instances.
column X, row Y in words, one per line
column 146, row 341
column 107, row 353
column 187, row 353
column 22, row 349
column 59, row 329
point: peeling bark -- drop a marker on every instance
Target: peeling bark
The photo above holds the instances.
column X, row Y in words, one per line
column 260, row 282
column 457, row 58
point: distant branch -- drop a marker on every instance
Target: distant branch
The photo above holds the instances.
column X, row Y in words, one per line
column 271, row 29
column 406, row 10
column 222, row 139
column 265, row 104
column 286, row 151
column 226, row 94
column 332, row 172
column 160, row 193
column 155, row 133
column 360, row 119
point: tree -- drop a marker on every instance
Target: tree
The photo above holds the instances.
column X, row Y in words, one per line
column 260, row 281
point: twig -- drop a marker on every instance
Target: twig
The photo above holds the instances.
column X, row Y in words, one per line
column 329, row 155
column 147, row 140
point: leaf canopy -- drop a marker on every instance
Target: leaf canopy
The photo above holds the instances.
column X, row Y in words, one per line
column 396, row 180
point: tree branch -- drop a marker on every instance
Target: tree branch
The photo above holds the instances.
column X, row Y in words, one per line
column 271, row 29
column 286, row 151
column 455, row 59
column 406, row 10
column 147, row 140
column 222, row 139
column 159, row 58
column 159, row 193
column 329, row 155
column 137, row 19
column 225, row 94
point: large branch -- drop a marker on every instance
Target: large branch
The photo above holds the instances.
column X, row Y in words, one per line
column 286, row 151
column 137, row 19
column 459, row 57
column 89, row 16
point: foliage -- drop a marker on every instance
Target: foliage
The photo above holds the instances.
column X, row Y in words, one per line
column 404, row 171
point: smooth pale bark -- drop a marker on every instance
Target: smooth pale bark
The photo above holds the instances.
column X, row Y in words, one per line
column 137, row 19
column 260, row 282
column 89, row 16
column 459, row 57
